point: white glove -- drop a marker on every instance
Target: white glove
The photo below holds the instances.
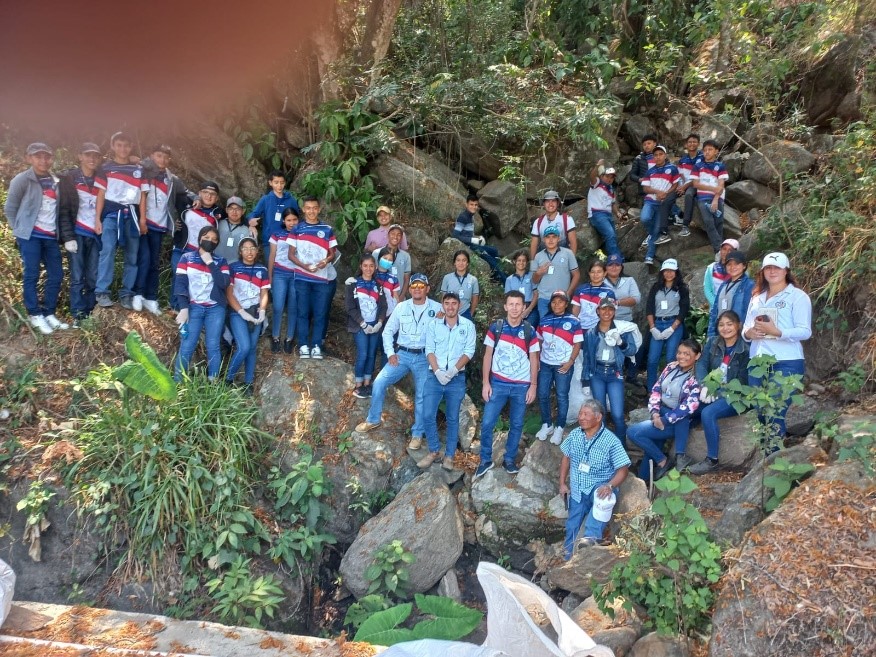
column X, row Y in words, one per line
column 262, row 316
column 612, row 338
column 182, row 316
column 207, row 258
column 369, row 330
column 452, row 371
column 665, row 335
column 350, row 281
column 441, row 375
column 71, row 246
column 656, row 333
column 245, row 316
column 705, row 396
column 480, row 239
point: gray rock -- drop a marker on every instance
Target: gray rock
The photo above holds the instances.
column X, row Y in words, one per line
column 732, row 222
column 718, row 128
column 675, row 124
column 590, row 618
column 570, row 602
column 720, row 100
column 788, row 157
column 800, row 418
column 657, row 645
column 619, row 639
column 820, row 143
column 635, row 127
column 695, row 288
column 747, row 194
column 761, row 134
column 449, row 586
column 425, row 518
column 588, row 239
column 404, row 473
column 735, row 163
column 830, row 80
column 476, row 185
column 469, row 423
column 734, row 522
column 506, row 201
column 421, row 241
column 738, row 444
column 632, row 497
column 588, row 565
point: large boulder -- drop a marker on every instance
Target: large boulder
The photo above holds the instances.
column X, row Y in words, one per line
column 587, row 565
column 738, row 445
column 506, row 201
column 788, row 157
column 747, row 194
column 719, row 129
column 830, row 87
column 761, row 134
column 803, row 581
column 428, row 183
column 588, row 239
column 635, row 128
column 425, row 519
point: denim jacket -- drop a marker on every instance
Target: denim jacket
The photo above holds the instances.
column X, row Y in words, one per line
column 628, row 347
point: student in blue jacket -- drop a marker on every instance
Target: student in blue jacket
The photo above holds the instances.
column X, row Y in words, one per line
column 269, row 210
column 734, row 293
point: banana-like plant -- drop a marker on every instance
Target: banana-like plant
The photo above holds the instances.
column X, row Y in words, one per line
column 145, row 373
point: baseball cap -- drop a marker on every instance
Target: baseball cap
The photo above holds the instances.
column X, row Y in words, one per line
column 162, row 148
column 560, row 293
column 550, row 195
column 400, row 227
column 38, row 147
column 89, row 147
column 552, row 230
column 609, row 171
column 385, row 209
column 614, row 259
column 420, row 278
column 669, row 263
column 777, row 260
column 736, row 256
column 660, row 147
column 235, row 200
column 731, row 242
column 210, row 185
column 607, row 302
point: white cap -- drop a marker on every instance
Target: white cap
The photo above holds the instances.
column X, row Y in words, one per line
column 777, row 260
column 609, row 171
column 669, row 263
column 731, row 242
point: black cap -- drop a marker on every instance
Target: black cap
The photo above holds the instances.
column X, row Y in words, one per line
column 162, row 148
column 738, row 256
column 212, row 186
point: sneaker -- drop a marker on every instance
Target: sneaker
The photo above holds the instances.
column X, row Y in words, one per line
column 152, row 306
column 358, row 394
column 366, row 426
column 557, row 438
column 649, row 261
column 663, row 239
column 483, row 468
column 316, row 353
column 104, row 301
column 426, row 462
column 678, row 221
column 247, row 389
column 137, row 302
column 660, row 471
column 511, row 467
column 275, row 345
column 682, row 462
column 76, row 324
column 303, row 351
column 543, row 432
column 685, row 232
column 366, row 390
column 447, row 463
column 40, row 324
column 56, row 324
column 705, row 466
column 287, row 346
column 645, row 242
column 416, row 443
column 126, row 303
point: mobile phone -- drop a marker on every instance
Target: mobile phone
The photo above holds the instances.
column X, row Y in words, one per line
column 763, row 318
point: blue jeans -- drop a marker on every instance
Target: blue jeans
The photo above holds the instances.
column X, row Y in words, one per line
column 246, row 339
column 580, row 514
column 543, row 307
column 118, row 232
column 490, row 254
column 785, row 367
column 452, row 394
column 690, row 202
column 533, row 317
column 603, row 223
column 418, row 366
column 283, row 298
column 83, row 275
column 714, row 225
column 650, row 217
column 313, row 301
column 175, row 255
column 212, row 320
column 548, row 376
column 655, row 349
column 709, row 416
column 646, row 435
column 610, row 383
column 35, row 252
column 514, row 394
column 366, row 352
column 148, row 256
column 666, row 207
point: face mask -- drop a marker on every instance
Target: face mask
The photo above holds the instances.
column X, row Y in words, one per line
column 385, row 264
column 208, row 246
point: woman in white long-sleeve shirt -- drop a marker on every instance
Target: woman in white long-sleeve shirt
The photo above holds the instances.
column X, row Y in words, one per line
column 779, row 319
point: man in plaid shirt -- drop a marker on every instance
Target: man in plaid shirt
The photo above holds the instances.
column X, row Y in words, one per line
column 594, row 465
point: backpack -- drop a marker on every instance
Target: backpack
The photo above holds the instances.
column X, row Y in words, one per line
column 566, row 228
column 528, row 331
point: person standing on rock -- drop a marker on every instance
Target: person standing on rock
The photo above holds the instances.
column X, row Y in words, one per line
column 602, row 209
column 450, row 346
column 269, row 210
column 521, row 280
column 554, row 268
column 628, row 296
column 233, row 228
column 247, row 296
column 709, row 178
column 404, row 343
column 401, row 259
column 510, row 371
column 667, row 306
column 463, row 284
column 593, row 467
column 734, row 294
column 659, row 185
column 552, row 218
column 463, row 230
column 693, row 157
column 716, row 274
column 379, row 237
column 365, row 304
column 644, row 160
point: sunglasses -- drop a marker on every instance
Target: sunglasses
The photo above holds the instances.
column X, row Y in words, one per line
column 417, row 285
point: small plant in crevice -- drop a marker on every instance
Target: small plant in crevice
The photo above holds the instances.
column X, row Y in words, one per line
column 35, row 506
column 389, row 574
column 445, row 619
column 240, row 598
column 784, row 476
column 298, row 493
column 856, row 442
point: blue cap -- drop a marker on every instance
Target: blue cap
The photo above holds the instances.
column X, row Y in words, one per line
column 552, row 230
column 614, row 259
column 420, row 278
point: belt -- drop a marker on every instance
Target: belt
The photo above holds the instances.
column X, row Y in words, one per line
column 668, row 319
column 411, row 351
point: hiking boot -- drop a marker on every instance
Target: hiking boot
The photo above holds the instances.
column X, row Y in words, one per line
column 40, row 324
column 705, row 466
column 137, row 302
column 126, row 303
column 275, row 345
column 511, row 467
column 682, row 462
column 557, row 436
column 104, row 301
column 416, row 443
column 483, row 468
column 366, row 426
column 287, row 346
column 663, row 239
column 685, row 232
column 426, row 462
column 152, row 306
column 543, row 432
column 56, row 324
column 316, row 353
column 303, row 352
column 447, row 463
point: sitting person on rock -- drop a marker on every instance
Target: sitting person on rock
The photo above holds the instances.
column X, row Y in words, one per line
column 521, row 280
column 734, row 293
column 674, row 398
column 594, row 465
column 401, row 259
column 552, row 218
column 463, row 230
column 554, row 268
column 450, row 346
column 462, row 283
column 727, row 351
column 379, row 237
column 659, row 185
column 716, row 274
column 602, row 209
column 365, row 304
column 692, row 158
column 709, row 178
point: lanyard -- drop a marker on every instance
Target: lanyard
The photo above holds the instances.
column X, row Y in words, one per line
column 417, row 319
column 459, row 280
column 551, row 257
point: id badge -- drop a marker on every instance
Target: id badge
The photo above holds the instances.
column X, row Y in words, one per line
column 462, row 294
column 522, row 290
column 724, row 304
column 606, row 355
column 584, row 467
column 278, row 217
column 229, row 242
column 551, row 270
column 664, row 305
column 395, row 271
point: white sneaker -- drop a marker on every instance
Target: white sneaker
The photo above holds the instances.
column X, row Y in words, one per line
column 644, row 244
column 316, row 353
column 150, row 305
column 557, row 438
column 39, row 323
column 303, row 352
column 543, row 432
column 56, row 323
column 137, row 302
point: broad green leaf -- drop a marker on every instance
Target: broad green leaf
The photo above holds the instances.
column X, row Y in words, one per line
column 452, row 620
column 382, row 628
column 145, row 373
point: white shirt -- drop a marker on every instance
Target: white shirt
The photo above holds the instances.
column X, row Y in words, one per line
column 793, row 310
column 409, row 320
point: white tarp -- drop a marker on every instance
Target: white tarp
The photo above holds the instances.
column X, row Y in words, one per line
column 7, row 589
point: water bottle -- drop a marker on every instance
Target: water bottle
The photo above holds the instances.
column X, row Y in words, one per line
column 719, row 213
column 184, row 330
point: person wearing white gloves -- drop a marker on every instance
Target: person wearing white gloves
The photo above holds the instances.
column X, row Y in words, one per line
column 450, row 345
column 365, row 303
column 667, row 307
column 247, row 296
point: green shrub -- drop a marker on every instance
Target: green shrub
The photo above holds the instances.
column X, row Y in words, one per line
column 449, row 621
column 243, row 600
column 389, row 575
